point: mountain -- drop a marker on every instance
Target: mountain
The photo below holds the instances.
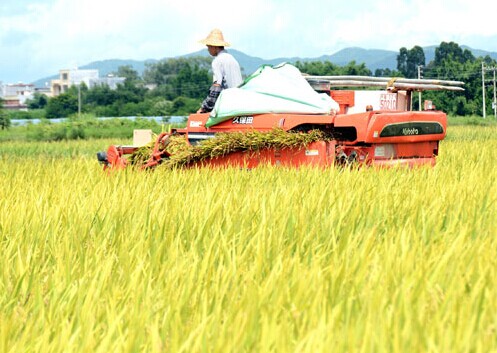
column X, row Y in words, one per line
column 372, row 58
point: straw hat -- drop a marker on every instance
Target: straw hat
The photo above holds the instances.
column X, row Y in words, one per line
column 215, row 39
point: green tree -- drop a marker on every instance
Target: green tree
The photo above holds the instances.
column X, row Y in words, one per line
column 453, row 63
column 4, row 117
column 354, row 69
column 100, row 95
column 451, row 52
column 39, row 101
column 184, row 106
column 162, row 71
column 126, row 100
column 409, row 60
column 161, row 107
column 327, row 68
column 130, row 74
column 318, row 68
column 386, row 73
column 129, row 92
column 187, row 77
column 402, row 61
column 62, row 106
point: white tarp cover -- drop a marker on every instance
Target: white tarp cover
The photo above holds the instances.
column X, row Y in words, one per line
column 278, row 89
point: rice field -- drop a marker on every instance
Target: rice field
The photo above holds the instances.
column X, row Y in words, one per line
column 267, row 260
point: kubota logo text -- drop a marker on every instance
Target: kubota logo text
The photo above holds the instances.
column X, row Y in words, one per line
column 411, row 131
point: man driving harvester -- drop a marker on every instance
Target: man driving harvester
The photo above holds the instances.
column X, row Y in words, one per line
column 225, row 69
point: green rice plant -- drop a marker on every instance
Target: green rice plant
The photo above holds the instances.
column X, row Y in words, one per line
column 50, row 150
column 86, row 127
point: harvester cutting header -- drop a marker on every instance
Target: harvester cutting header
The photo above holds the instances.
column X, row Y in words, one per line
column 279, row 116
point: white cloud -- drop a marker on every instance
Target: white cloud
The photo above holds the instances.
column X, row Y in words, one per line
column 42, row 36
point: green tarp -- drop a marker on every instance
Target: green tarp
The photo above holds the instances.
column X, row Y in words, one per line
column 278, row 89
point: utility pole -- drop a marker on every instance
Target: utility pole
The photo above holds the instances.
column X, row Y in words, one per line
column 483, row 87
column 79, row 101
column 494, row 103
column 419, row 92
column 494, row 100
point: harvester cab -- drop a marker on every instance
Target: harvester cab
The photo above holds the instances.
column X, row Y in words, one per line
column 366, row 126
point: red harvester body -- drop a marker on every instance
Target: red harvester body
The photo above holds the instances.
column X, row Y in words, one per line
column 372, row 128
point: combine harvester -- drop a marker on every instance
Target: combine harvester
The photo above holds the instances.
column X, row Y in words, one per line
column 365, row 126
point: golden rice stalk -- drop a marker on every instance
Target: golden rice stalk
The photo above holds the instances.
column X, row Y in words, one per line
column 176, row 144
column 225, row 143
column 222, row 144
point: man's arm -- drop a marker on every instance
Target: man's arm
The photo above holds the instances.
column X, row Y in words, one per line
column 208, row 103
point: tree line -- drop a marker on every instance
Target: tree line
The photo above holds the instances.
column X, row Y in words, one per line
column 168, row 87
column 177, row 86
column 451, row 62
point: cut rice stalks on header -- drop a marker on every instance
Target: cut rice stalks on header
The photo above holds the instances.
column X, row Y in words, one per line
column 183, row 154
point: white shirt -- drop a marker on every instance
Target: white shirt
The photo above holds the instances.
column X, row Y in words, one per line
column 225, row 66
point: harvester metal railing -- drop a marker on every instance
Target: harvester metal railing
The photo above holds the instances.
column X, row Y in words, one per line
column 391, row 83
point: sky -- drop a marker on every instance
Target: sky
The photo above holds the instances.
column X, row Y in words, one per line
column 40, row 37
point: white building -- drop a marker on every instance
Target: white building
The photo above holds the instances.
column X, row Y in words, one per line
column 14, row 95
column 68, row 78
column 111, row 81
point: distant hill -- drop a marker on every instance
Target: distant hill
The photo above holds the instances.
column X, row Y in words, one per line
column 373, row 59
